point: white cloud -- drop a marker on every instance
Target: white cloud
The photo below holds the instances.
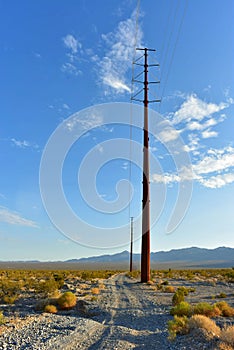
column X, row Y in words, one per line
column 216, row 161
column 14, row 218
column 120, row 46
column 74, row 48
column 168, row 134
column 21, row 144
column 115, row 83
column 24, row 144
column 195, row 109
column 70, row 69
column 209, row 133
column 193, row 144
column 218, row 181
column 71, row 43
column 87, row 122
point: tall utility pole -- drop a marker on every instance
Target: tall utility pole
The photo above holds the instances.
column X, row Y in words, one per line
column 145, row 248
column 131, row 245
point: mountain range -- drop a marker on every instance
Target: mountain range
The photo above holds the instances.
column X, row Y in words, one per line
column 218, row 257
column 193, row 257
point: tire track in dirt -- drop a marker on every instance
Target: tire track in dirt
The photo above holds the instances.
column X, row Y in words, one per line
column 134, row 319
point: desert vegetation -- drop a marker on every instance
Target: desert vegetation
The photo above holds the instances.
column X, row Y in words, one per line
column 193, row 300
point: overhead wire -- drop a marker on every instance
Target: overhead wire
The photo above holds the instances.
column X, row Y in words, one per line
column 167, row 47
column 131, row 107
column 173, row 52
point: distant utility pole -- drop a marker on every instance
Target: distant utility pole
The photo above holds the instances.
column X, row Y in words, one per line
column 131, row 244
column 145, row 248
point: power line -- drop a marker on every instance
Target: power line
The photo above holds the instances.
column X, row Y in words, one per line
column 173, row 52
column 130, row 129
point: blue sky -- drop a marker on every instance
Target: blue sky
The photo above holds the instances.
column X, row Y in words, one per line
column 59, row 58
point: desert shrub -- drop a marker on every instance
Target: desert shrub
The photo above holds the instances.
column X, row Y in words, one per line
column 178, row 297
column 182, row 309
column 159, row 286
column 9, row 290
column 67, row 300
column 179, row 325
column 51, row 309
column 224, row 346
column 150, row 282
column 59, row 279
column 165, row 283
column 2, row 318
column 101, row 286
column 133, row 274
column 227, row 335
column 46, row 287
column 10, row 299
column 206, row 310
column 184, row 290
column 201, row 321
column 225, row 308
column 221, row 295
column 41, row 304
column 169, row 289
column 95, row 290
column 230, row 276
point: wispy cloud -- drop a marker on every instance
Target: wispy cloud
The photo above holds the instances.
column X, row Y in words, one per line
column 86, row 122
column 70, row 68
column 194, row 108
column 14, row 218
column 71, row 43
column 74, row 51
column 24, row 144
column 120, row 45
column 217, row 161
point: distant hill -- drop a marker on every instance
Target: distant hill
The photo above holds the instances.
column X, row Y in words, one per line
column 200, row 257
column 193, row 257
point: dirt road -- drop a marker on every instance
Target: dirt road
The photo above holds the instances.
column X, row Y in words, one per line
column 131, row 317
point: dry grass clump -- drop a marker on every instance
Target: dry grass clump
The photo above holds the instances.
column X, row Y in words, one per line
column 150, row 282
column 2, row 319
column 204, row 322
column 95, row 291
column 227, row 335
column 51, row 309
column 225, row 309
column 206, row 309
column 169, row 289
column 67, row 301
column 224, row 346
column 179, row 325
column 10, row 299
column 101, row 286
column 178, row 297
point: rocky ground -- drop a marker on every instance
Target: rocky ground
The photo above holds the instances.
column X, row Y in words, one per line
column 125, row 315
